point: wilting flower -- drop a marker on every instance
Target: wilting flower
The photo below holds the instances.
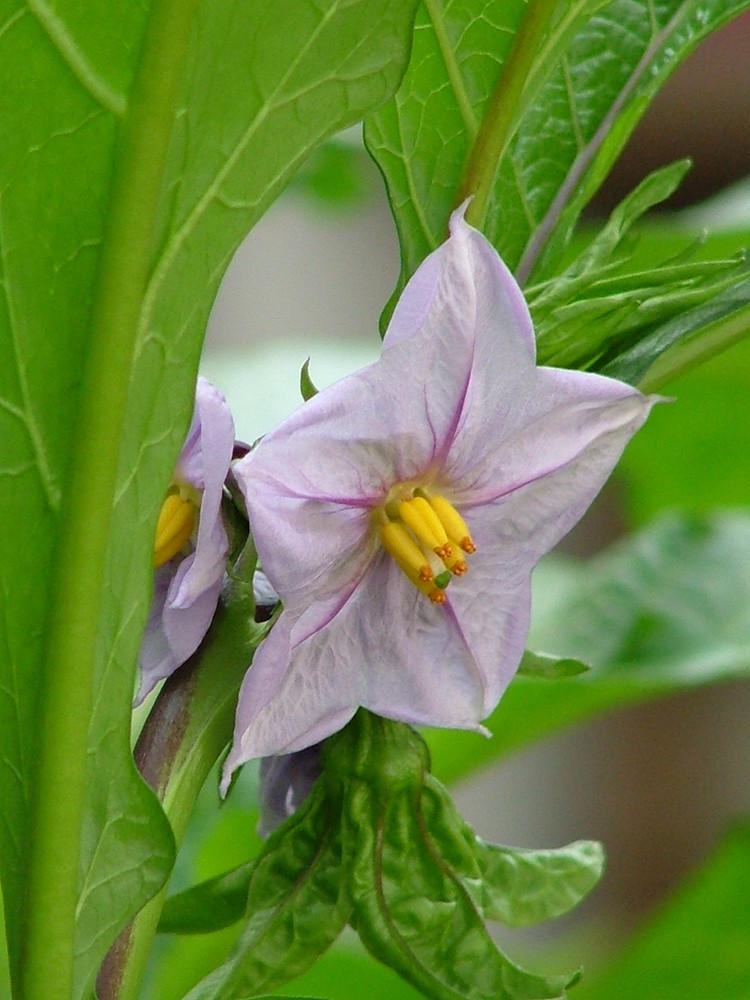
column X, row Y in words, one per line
column 399, row 513
column 191, row 543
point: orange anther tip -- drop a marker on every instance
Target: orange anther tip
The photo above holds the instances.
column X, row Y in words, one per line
column 468, row 545
column 437, row 596
column 426, row 574
column 443, row 551
column 459, row 568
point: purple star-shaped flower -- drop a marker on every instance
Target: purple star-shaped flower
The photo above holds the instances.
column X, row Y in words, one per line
column 190, row 556
column 454, row 420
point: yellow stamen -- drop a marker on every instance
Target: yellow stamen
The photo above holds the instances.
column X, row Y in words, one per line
column 418, row 515
column 455, row 526
column 427, row 538
column 408, row 556
column 176, row 523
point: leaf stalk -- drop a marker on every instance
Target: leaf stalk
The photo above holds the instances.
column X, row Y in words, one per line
column 502, row 117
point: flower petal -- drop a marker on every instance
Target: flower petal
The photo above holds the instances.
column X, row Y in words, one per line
column 204, row 462
column 285, row 783
column 155, row 658
column 386, row 648
column 173, row 633
column 311, row 483
column 560, row 416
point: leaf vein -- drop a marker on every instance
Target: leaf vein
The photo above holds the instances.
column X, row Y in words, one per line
column 454, row 73
column 57, row 32
column 181, row 235
column 26, row 412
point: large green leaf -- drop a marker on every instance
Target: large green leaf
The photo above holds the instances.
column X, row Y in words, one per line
column 423, row 139
column 263, row 85
column 664, row 611
column 697, row 945
column 555, row 135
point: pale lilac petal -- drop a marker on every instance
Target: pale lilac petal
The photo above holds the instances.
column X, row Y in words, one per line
column 338, row 455
column 485, row 268
column 187, row 590
column 186, row 625
column 155, row 657
column 456, row 404
column 173, row 633
column 308, row 548
column 265, row 595
column 204, row 463
column 280, row 709
column 204, row 454
column 312, row 672
column 563, row 414
column 285, row 783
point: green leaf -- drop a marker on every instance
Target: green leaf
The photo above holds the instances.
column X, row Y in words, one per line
column 550, row 667
column 611, row 311
column 529, row 101
column 297, row 904
column 687, row 339
column 522, row 887
column 463, row 51
column 697, row 944
column 209, row 906
column 595, row 97
column 409, row 856
column 686, row 456
column 247, row 112
column 663, row 611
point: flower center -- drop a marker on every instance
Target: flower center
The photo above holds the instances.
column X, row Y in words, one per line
column 427, row 538
column 176, row 523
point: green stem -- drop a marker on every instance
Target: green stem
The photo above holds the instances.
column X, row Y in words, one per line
column 185, row 734
column 66, row 684
column 502, row 115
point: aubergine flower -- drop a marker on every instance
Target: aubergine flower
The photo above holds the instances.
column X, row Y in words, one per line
column 191, row 543
column 399, row 512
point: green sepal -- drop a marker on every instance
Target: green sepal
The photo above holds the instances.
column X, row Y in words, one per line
column 297, row 903
column 409, row 857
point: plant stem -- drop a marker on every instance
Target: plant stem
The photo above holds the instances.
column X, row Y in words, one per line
column 185, row 734
column 66, row 684
column 503, row 112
